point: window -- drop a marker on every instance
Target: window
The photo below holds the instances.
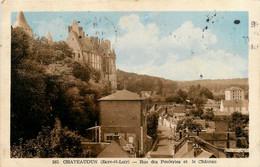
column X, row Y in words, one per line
column 109, row 138
column 116, row 133
column 131, row 139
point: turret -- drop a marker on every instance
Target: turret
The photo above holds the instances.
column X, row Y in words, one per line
column 22, row 23
column 48, row 37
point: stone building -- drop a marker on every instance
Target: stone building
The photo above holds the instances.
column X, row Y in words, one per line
column 124, row 114
column 234, row 102
column 234, row 93
column 93, row 51
column 227, row 107
column 22, row 23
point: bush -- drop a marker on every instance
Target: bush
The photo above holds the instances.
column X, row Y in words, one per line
column 58, row 142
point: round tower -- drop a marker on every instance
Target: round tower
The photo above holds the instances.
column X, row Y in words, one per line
column 22, row 23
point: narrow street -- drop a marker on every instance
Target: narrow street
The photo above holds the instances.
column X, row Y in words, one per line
column 164, row 146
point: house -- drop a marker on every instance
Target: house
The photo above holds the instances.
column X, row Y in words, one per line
column 227, row 107
column 212, row 105
column 207, row 126
column 192, row 146
column 234, row 93
column 171, row 114
column 221, row 139
column 123, row 114
column 93, row 51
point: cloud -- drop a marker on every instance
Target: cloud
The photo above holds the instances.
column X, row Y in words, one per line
column 183, row 55
column 56, row 27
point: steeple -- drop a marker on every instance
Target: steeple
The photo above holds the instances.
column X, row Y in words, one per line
column 48, row 37
column 22, row 23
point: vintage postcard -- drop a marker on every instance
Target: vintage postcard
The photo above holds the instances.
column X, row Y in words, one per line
column 135, row 83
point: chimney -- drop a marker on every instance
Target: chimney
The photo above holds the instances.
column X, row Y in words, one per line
column 190, row 146
column 227, row 139
column 116, row 138
column 180, row 134
column 184, row 132
column 198, row 132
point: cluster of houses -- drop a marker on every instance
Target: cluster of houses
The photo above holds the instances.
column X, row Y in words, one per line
column 214, row 140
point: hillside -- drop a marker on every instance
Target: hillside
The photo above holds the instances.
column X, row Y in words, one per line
column 137, row 83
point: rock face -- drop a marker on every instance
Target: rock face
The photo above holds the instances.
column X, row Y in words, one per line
column 22, row 23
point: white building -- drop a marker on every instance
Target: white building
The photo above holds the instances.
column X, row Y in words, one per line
column 234, row 93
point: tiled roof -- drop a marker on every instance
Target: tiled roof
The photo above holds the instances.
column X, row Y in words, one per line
column 235, row 103
column 113, row 150
column 212, row 124
column 234, row 88
column 202, row 122
column 217, row 136
column 205, row 154
column 205, row 136
column 122, row 95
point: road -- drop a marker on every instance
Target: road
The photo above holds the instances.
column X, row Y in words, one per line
column 164, row 146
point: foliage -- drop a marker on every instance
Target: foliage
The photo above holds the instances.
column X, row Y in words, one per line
column 152, row 125
column 188, row 123
column 57, row 142
column 182, row 94
column 199, row 95
column 208, row 115
column 197, row 113
column 81, row 71
column 138, row 83
column 47, row 83
column 174, row 98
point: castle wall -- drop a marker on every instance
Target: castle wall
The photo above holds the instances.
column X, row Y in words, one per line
column 93, row 52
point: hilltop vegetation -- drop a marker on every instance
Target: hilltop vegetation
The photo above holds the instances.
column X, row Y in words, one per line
column 163, row 87
column 138, row 83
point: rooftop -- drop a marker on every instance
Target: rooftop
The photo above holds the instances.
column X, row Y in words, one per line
column 21, row 21
column 235, row 103
column 234, row 88
column 122, row 95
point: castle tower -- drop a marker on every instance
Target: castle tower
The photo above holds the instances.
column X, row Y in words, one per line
column 48, row 37
column 22, row 23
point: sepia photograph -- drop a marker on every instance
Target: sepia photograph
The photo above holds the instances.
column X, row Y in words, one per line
column 129, row 84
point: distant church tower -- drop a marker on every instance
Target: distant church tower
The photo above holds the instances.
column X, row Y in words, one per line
column 22, row 23
column 48, row 37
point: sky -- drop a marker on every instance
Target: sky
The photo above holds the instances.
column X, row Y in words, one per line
column 173, row 45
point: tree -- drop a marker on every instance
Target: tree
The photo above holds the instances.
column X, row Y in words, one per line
column 182, row 94
column 188, row 123
column 208, row 115
column 47, row 83
column 174, row 98
column 57, row 142
column 197, row 113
